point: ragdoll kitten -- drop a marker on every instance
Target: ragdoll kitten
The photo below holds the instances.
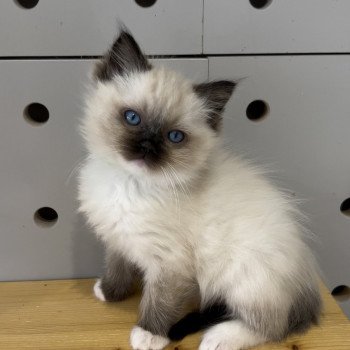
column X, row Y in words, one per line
column 197, row 223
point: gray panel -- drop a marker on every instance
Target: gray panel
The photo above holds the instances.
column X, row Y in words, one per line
column 38, row 167
column 305, row 137
column 86, row 27
column 283, row 26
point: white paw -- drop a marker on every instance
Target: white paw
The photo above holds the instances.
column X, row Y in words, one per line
column 215, row 342
column 141, row 339
column 98, row 291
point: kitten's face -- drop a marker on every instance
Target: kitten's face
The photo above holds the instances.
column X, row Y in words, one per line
column 153, row 122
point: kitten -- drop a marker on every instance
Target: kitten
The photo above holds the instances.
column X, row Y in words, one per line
column 197, row 223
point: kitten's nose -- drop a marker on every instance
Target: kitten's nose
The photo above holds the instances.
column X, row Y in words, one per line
column 147, row 147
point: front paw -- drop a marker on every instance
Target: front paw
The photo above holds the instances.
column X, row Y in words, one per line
column 98, row 291
column 141, row 339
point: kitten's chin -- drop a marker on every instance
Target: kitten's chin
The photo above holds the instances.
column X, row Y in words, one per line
column 139, row 163
column 137, row 167
column 161, row 177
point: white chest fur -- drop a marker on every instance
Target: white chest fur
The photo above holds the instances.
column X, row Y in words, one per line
column 131, row 218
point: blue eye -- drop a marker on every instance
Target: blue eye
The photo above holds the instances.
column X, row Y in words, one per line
column 176, row 136
column 132, row 118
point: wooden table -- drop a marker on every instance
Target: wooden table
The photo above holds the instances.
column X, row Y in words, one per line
column 65, row 315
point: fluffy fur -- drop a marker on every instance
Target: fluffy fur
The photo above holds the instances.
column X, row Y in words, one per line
column 200, row 225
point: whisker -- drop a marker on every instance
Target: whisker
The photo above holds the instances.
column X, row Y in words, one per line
column 177, row 200
column 76, row 167
column 185, row 190
column 179, row 162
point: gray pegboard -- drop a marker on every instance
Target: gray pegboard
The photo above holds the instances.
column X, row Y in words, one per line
column 282, row 26
column 36, row 168
column 86, row 27
column 304, row 137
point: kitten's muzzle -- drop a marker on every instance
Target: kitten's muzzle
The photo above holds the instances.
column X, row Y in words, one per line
column 147, row 147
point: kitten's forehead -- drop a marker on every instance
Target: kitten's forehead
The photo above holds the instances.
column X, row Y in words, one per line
column 160, row 93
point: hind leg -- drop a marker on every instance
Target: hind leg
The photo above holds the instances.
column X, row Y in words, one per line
column 230, row 335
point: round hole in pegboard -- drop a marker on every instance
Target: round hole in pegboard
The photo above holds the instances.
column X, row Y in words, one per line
column 260, row 4
column 345, row 207
column 257, row 110
column 27, row 4
column 341, row 293
column 45, row 217
column 145, row 3
column 36, row 113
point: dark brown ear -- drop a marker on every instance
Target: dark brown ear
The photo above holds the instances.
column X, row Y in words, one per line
column 124, row 56
column 215, row 94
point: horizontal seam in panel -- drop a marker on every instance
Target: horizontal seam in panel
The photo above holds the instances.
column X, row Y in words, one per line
column 178, row 56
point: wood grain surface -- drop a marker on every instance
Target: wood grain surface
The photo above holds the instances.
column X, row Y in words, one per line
column 65, row 315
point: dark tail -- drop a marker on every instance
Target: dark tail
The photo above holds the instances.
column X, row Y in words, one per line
column 199, row 320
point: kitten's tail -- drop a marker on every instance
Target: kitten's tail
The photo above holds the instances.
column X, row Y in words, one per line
column 199, row 320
